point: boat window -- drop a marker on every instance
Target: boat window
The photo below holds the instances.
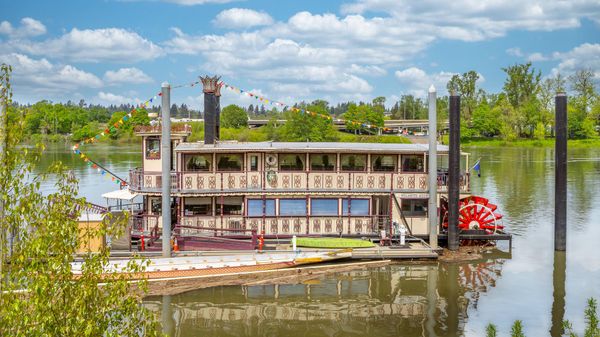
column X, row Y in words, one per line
column 254, row 163
column 412, row 163
column 197, row 206
column 324, row 206
column 291, row 162
column 353, row 162
column 322, row 162
column 232, row 206
column 197, row 162
column 414, row 207
column 292, row 207
column 229, row 162
column 383, row 163
column 355, row 207
column 153, row 148
column 255, row 207
column 156, row 206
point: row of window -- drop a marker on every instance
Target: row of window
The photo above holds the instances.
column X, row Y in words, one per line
column 296, row 162
column 288, row 207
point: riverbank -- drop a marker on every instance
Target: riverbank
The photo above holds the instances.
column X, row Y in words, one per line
column 549, row 142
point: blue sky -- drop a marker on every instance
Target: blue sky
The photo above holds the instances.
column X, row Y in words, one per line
column 120, row 51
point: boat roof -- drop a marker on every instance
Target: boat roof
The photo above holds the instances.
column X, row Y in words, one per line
column 233, row 146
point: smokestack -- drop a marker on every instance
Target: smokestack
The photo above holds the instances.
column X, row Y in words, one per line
column 211, row 111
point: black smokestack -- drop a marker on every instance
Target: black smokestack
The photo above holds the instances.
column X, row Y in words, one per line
column 211, row 108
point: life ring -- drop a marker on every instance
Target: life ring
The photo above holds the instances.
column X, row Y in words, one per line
column 271, row 160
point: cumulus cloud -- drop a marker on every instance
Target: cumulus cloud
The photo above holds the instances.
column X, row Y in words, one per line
column 242, row 18
column 473, row 20
column 515, row 51
column 584, row 56
column 40, row 75
column 92, row 45
column 110, row 98
column 29, row 27
column 416, row 81
column 198, row 2
column 126, row 75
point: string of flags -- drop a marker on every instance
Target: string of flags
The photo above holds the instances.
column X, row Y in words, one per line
column 118, row 124
column 300, row 110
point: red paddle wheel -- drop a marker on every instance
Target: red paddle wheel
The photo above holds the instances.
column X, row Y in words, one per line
column 474, row 212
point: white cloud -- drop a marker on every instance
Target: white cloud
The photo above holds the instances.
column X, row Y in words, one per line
column 92, row 45
column 473, row 20
column 416, row 81
column 127, row 75
column 41, row 76
column 515, row 51
column 199, row 2
column 110, row 98
column 242, row 18
column 584, row 56
column 537, row 57
column 29, row 27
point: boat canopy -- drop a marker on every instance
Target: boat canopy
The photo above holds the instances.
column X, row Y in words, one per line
column 120, row 195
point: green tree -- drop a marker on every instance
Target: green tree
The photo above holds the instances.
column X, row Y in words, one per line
column 38, row 240
column 308, row 124
column 465, row 86
column 233, row 116
column 521, row 84
column 486, row 121
column 358, row 116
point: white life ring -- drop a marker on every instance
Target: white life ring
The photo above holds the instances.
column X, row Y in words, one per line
column 271, row 160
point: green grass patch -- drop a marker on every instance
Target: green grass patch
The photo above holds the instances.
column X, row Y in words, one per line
column 524, row 142
column 333, row 243
column 351, row 138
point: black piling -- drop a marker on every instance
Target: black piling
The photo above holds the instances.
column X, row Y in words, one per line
column 560, row 165
column 558, row 294
column 454, row 172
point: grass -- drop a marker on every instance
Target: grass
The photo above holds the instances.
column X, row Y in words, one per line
column 592, row 328
column 524, row 142
column 333, row 243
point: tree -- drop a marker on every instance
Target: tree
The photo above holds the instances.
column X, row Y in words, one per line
column 465, row 86
column 521, row 84
column 582, row 84
column 38, row 240
column 357, row 116
column 308, row 124
column 233, row 116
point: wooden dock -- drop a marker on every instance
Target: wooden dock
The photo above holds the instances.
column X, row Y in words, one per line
column 412, row 250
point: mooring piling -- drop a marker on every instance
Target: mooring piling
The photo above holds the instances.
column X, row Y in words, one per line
column 166, row 168
column 211, row 89
column 560, row 166
column 453, row 172
column 432, row 209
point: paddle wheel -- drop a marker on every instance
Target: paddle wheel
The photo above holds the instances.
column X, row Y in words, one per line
column 475, row 213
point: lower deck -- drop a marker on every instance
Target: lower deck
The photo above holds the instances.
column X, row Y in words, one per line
column 284, row 215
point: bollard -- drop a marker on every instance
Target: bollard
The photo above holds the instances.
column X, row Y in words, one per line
column 294, row 243
column 142, row 247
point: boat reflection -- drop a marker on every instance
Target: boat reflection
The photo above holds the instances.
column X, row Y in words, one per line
column 404, row 299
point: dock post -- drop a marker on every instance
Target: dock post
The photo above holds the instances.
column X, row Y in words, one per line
column 454, row 172
column 432, row 209
column 560, row 166
column 166, row 169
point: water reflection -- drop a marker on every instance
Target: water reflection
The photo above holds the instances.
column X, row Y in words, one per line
column 558, row 294
column 407, row 300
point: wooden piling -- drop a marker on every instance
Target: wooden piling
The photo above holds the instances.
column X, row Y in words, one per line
column 454, row 172
column 560, row 164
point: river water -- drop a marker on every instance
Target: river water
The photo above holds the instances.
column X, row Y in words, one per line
column 433, row 299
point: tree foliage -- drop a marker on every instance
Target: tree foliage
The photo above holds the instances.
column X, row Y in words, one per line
column 233, row 116
column 39, row 296
column 303, row 126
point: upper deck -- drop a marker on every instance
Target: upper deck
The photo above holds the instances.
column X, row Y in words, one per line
column 290, row 167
